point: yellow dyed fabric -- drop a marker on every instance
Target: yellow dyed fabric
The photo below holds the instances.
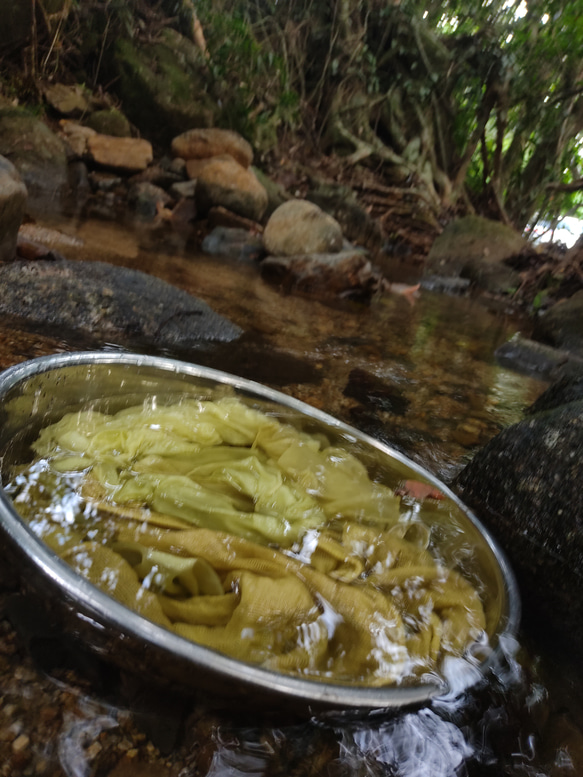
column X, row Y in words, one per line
column 279, row 612
column 249, row 537
column 219, row 465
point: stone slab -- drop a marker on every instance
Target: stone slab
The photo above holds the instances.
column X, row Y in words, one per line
column 108, row 303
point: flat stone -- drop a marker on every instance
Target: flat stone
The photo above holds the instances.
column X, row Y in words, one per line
column 221, row 217
column 537, row 359
column 108, row 303
column 132, row 154
column 209, row 142
column 13, row 196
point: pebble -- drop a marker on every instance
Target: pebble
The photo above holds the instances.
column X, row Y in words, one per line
column 20, row 743
column 93, row 751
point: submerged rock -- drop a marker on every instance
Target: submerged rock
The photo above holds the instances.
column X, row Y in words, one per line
column 374, row 393
column 526, row 486
column 109, row 303
column 537, row 359
column 233, row 243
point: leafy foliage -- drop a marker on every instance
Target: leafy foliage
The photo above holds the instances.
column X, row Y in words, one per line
column 478, row 101
column 475, row 104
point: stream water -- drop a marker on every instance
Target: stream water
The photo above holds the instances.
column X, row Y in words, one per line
column 421, row 376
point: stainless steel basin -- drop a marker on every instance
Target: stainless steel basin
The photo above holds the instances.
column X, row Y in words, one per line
column 41, row 391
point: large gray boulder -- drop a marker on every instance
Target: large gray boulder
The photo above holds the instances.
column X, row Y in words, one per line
column 526, row 484
column 476, row 248
column 108, row 303
column 13, row 195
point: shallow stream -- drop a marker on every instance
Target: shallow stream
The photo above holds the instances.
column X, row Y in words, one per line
column 422, row 376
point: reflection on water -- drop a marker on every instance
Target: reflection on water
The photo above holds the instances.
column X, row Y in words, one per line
column 492, row 730
column 438, row 354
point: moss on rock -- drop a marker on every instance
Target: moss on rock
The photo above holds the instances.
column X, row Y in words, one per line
column 161, row 86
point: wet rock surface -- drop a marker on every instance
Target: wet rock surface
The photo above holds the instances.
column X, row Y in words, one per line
column 534, row 358
column 374, row 393
column 234, row 243
column 103, row 301
column 132, row 154
column 526, row 484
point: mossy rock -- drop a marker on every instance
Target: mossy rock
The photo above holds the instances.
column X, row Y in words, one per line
column 162, row 86
column 477, row 248
column 109, row 121
column 35, row 150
